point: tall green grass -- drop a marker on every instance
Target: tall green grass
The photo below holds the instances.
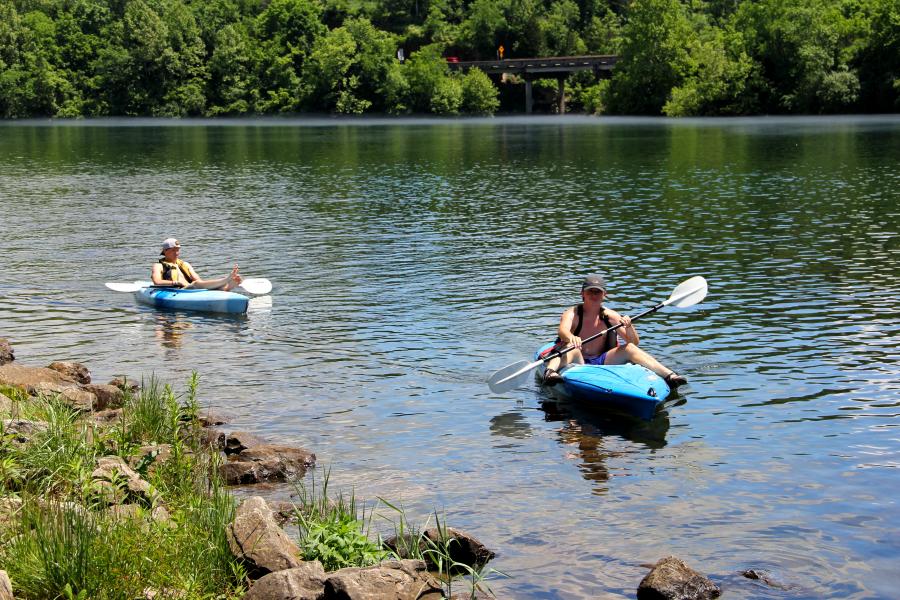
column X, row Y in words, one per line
column 411, row 542
column 65, row 544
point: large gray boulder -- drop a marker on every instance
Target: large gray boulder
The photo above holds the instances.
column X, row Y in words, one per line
column 75, row 371
column 306, row 582
column 671, row 579
column 393, row 580
column 256, row 539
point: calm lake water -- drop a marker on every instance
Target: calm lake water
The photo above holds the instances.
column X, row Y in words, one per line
column 412, row 258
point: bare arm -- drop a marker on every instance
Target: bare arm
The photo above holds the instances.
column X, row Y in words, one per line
column 564, row 332
column 156, row 274
column 627, row 332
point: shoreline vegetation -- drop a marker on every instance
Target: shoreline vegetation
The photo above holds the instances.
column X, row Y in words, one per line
column 184, row 58
column 119, row 491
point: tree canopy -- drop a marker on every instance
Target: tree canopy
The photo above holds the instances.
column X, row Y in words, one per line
column 73, row 58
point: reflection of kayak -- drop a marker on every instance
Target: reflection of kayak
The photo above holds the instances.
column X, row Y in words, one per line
column 628, row 388
column 199, row 300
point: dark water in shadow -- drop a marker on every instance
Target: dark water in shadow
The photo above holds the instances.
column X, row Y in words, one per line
column 413, row 258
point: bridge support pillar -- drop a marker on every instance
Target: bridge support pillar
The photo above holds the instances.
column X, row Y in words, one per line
column 529, row 102
column 561, row 95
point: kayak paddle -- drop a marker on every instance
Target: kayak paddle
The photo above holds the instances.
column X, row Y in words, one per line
column 688, row 293
column 254, row 286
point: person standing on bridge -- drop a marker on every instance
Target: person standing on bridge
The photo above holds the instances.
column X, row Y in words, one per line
column 500, row 51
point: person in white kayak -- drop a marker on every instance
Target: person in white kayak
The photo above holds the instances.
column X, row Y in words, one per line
column 172, row 271
column 615, row 348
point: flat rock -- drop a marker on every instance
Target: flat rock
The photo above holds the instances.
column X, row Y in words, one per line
column 22, row 430
column 68, row 392
column 238, row 441
column 27, row 377
column 268, row 462
column 392, row 580
column 671, row 579
column 306, row 582
column 75, row 371
column 73, row 396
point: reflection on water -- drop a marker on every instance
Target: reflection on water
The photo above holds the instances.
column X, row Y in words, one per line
column 170, row 327
column 511, row 424
column 410, row 259
column 585, row 435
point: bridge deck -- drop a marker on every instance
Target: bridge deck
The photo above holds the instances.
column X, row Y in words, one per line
column 553, row 66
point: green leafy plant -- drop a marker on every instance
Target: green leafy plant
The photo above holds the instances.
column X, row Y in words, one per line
column 334, row 531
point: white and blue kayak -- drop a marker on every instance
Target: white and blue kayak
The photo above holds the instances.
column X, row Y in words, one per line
column 197, row 300
column 628, row 388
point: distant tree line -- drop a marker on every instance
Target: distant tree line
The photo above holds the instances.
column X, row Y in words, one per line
column 71, row 58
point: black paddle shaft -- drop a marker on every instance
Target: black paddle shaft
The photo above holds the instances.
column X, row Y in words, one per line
column 553, row 355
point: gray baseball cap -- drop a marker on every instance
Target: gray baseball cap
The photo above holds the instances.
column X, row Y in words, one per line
column 594, row 281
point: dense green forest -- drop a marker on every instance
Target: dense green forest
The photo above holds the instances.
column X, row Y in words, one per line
column 71, row 58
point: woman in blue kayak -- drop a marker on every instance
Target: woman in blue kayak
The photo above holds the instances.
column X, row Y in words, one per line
column 172, row 271
column 615, row 348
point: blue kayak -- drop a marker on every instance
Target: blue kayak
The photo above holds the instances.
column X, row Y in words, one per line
column 197, row 300
column 632, row 389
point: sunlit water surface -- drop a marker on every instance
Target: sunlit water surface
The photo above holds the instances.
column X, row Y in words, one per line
column 413, row 258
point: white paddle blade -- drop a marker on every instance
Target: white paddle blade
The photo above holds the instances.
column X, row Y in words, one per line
column 511, row 376
column 125, row 287
column 688, row 293
column 257, row 285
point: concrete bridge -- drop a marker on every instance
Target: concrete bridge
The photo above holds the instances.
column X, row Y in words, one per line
column 558, row 67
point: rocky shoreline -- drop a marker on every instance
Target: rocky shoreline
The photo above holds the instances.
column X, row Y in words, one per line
column 271, row 560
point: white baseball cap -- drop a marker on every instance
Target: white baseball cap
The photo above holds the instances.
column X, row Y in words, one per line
column 169, row 243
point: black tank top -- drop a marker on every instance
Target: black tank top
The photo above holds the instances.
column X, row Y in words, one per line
column 609, row 341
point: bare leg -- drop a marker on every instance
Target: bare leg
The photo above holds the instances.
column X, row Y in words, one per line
column 223, row 283
column 633, row 354
column 556, row 364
